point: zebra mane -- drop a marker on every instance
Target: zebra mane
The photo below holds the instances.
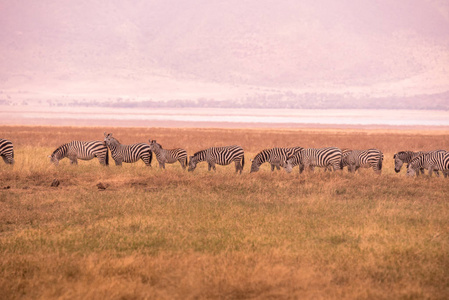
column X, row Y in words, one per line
column 261, row 154
column 199, row 152
column 114, row 139
column 414, row 159
column 60, row 148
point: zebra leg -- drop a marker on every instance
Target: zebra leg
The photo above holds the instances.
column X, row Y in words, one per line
column 307, row 166
column 183, row 163
column 211, row 165
column 272, row 167
column 73, row 161
column 162, row 165
column 118, row 163
column 301, row 168
column 238, row 166
column 278, row 167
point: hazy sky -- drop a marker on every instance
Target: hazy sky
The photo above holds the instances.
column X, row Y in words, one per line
column 202, row 48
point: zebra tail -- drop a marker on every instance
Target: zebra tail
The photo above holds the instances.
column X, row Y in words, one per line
column 243, row 161
column 341, row 164
column 151, row 156
column 106, row 160
column 379, row 164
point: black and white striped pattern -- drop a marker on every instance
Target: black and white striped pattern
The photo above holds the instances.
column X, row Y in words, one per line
column 128, row 153
column 355, row 159
column 432, row 161
column 168, row 155
column 219, row 155
column 81, row 150
column 7, row 151
column 275, row 156
column 405, row 157
column 310, row 158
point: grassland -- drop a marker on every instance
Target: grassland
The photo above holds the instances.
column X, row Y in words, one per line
column 164, row 234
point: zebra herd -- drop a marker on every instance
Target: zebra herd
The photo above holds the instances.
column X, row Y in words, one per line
column 330, row 158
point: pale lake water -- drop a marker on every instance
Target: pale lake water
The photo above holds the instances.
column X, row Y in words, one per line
column 15, row 115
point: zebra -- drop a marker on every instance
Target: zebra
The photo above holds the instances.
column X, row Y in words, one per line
column 432, row 160
column 405, row 157
column 81, row 150
column 310, row 158
column 274, row 156
column 128, row 153
column 7, row 151
column 168, row 156
column 354, row 159
column 219, row 155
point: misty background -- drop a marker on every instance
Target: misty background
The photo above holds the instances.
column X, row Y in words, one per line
column 244, row 54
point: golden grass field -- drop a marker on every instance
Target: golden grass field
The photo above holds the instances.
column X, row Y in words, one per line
column 171, row 234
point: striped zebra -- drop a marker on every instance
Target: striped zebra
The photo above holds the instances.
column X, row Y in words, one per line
column 7, row 151
column 405, row 157
column 128, row 153
column 355, row 159
column 432, row 161
column 274, row 156
column 81, row 150
column 310, row 158
column 168, row 155
column 219, row 155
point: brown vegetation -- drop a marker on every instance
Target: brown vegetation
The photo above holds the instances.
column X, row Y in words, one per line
column 164, row 234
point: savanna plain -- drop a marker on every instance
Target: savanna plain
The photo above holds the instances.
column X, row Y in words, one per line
column 173, row 234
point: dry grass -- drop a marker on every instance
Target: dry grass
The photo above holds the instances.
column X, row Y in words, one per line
column 171, row 234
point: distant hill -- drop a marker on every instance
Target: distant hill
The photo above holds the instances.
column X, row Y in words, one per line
column 237, row 51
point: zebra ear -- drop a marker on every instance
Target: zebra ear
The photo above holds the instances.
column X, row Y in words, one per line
column 251, row 159
column 49, row 156
column 105, row 134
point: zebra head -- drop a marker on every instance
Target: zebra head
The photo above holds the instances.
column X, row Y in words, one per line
column 414, row 165
column 192, row 163
column 398, row 162
column 154, row 145
column 288, row 165
column 410, row 170
column 108, row 139
column 58, row 154
column 255, row 166
column 54, row 159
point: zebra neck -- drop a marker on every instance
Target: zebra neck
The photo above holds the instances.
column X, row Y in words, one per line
column 261, row 158
column 61, row 151
column 114, row 145
column 200, row 156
